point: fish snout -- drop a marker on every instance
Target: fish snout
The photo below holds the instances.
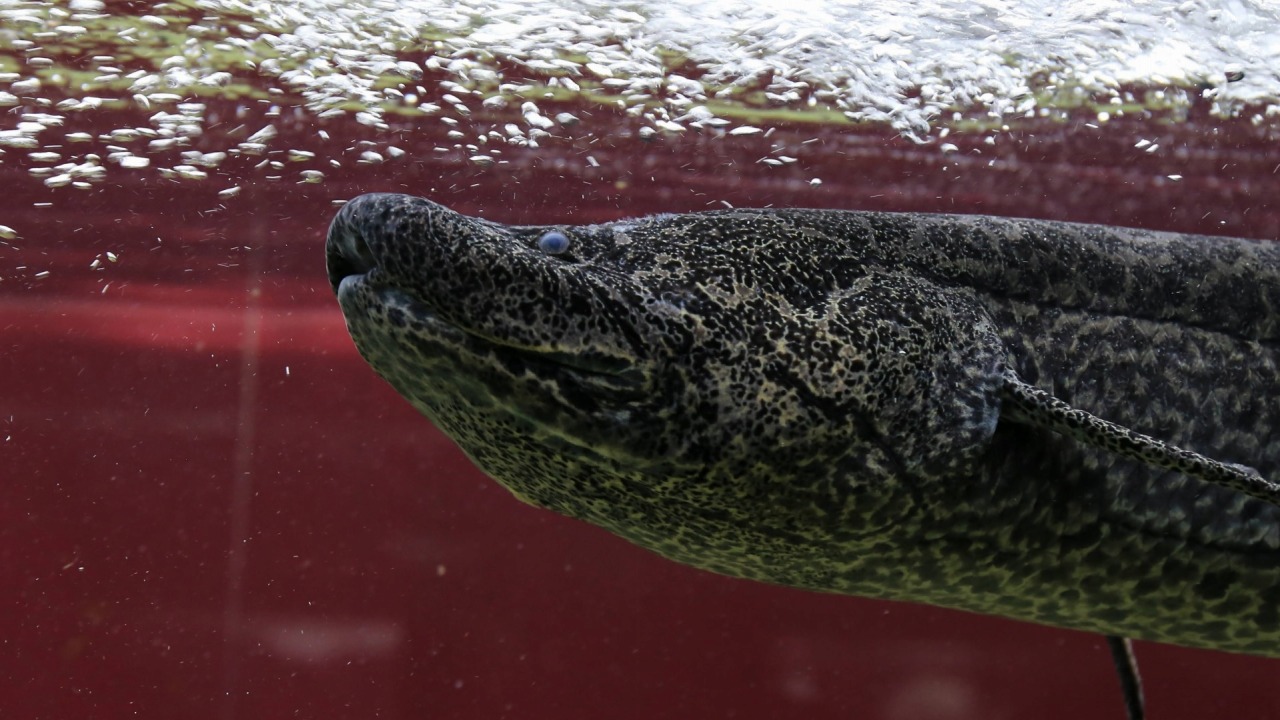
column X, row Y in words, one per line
column 347, row 251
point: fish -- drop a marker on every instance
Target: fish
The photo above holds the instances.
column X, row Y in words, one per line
column 1067, row 424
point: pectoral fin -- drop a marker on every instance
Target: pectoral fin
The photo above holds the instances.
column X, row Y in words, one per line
column 1031, row 405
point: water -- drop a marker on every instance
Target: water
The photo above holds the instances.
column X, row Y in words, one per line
column 213, row 509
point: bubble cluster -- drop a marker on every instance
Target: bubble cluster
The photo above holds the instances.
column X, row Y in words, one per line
column 719, row 68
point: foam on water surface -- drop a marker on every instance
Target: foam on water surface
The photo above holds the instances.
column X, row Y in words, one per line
column 677, row 65
column 215, row 78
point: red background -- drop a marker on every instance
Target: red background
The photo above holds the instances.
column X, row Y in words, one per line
column 213, row 509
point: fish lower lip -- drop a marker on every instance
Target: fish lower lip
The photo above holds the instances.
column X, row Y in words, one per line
column 348, row 283
column 617, row 374
column 347, row 251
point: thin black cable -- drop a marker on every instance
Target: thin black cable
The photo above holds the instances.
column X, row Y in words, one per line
column 1127, row 670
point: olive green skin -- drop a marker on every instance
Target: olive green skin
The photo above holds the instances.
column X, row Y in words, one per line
column 814, row 398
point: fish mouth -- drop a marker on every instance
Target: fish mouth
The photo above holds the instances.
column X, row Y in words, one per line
column 347, row 255
column 574, row 372
column 357, row 278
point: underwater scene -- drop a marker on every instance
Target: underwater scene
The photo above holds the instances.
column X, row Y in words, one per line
column 212, row 507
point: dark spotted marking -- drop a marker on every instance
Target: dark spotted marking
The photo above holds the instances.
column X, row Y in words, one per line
column 1067, row 424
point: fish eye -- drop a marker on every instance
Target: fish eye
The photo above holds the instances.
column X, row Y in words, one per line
column 553, row 242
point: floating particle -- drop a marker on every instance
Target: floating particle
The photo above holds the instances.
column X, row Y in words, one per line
column 122, row 135
column 90, row 170
column 71, row 30
column 29, row 86
column 1175, row 178
column 372, row 120
column 263, row 135
column 217, row 79
column 186, row 172
column 539, row 121
column 409, row 69
column 209, row 160
column 18, row 141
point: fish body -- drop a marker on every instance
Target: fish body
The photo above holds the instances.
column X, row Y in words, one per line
column 822, row 399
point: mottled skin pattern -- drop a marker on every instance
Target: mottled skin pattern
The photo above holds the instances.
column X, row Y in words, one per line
column 831, row 400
